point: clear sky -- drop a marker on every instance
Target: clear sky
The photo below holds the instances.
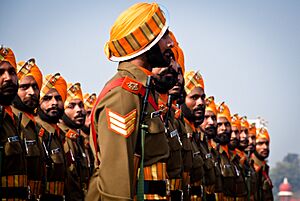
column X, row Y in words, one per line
column 247, row 51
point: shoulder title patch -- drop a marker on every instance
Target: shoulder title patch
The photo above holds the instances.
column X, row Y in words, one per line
column 121, row 124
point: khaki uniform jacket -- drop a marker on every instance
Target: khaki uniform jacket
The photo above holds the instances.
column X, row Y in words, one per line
column 77, row 174
column 51, row 139
column 117, row 120
column 34, row 152
column 13, row 163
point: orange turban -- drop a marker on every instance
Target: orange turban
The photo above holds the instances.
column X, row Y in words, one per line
column 192, row 80
column 135, row 31
column 262, row 133
column 223, row 111
column 178, row 53
column 244, row 122
column 29, row 68
column 6, row 54
column 57, row 82
column 73, row 92
column 89, row 100
column 252, row 129
column 235, row 121
column 210, row 105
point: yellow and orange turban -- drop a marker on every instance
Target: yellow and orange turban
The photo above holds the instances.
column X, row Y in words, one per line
column 135, row 31
column 89, row 100
column 178, row 53
column 30, row 68
column 55, row 81
column 223, row 111
column 235, row 121
column 252, row 129
column 210, row 104
column 73, row 92
column 192, row 80
column 262, row 133
column 244, row 122
column 6, row 54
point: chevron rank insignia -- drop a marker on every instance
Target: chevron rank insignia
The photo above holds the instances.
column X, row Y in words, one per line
column 121, row 124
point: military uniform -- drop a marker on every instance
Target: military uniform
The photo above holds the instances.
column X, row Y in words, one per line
column 35, row 158
column 49, row 135
column 117, row 120
column 264, row 182
column 77, row 165
column 12, row 158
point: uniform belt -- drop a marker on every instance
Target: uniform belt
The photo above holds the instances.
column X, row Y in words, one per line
column 14, row 192
column 14, row 181
column 155, row 187
column 55, row 188
column 175, row 184
column 196, row 190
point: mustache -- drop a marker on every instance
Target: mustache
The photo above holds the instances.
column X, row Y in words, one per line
column 8, row 85
column 200, row 108
column 52, row 108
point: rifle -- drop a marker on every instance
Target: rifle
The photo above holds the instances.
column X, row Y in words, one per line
column 144, row 129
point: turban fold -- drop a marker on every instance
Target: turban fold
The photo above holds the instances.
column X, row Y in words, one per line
column 55, row 81
column 223, row 111
column 135, row 31
column 178, row 53
column 210, row 104
column 192, row 80
column 89, row 100
column 73, row 92
column 252, row 129
column 29, row 68
column 262, row 133
column 235, row 121
column 6, row 54
column 244, row 122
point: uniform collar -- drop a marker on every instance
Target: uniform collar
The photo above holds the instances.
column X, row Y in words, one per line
column 50, row 128
column 258, row 164
column 26, row 118
column 68, row 132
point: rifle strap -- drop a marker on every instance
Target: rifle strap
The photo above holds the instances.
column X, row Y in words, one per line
column 126, row 83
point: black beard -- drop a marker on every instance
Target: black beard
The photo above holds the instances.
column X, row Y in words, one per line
column 243, row 147
column 259, row 156
column 223, row 138
column 162, row 83
column 85, row 129
column 70, row 123
column 157, row 59
column 6, row 99
column 233, row 144
column 17, row 103
column 47, row 118
column 210, row 132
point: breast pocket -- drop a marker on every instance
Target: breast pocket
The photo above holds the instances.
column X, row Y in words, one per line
column 13, row 146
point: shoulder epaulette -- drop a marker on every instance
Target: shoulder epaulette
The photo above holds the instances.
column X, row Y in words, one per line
column 132, row 85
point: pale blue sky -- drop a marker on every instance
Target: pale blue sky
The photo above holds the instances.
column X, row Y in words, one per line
column 247, row 51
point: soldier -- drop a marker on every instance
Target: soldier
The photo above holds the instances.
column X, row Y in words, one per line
column 76, row 161
column 25, row 103
column 251, row 139
column 89, row 102
column 13, row 184
column 193, row 110
column 52, row 97
column 259, row 157
column 139, row 40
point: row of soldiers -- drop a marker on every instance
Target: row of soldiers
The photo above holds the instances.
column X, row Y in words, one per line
column 154, row 133
column 44, row 133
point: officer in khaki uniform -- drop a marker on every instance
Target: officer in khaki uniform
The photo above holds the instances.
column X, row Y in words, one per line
column 139, row 40
column 30, row 83
column 89, row 101
column 193, row 110
column 13, row 183
column 261, row 167
column 76, row 161
column 52, row 97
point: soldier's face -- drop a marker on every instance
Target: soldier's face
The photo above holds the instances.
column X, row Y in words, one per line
column 165, row 45
column 244, row 137
column 88, row 117
column 29, row 92
column 52, row 104
column 177, row 90
column 209, row 124
column 195, row 101
column 76, row 112
column 235, row 137
column 251, row 142
column 223, row 131
column 262, row 148
column 8, row 83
